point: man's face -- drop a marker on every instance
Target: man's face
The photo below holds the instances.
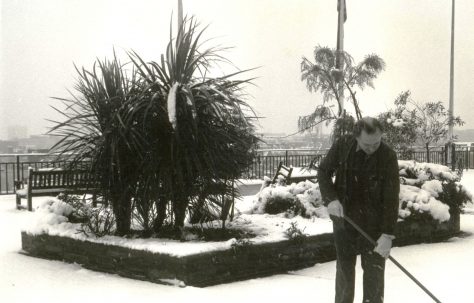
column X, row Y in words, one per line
column 369, row 143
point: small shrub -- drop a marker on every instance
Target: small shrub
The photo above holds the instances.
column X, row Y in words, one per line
column 455, row 195
column 430, row 191
column 295, row 234
column 241, row 244
column 298, row 199
column 276, row 205
column 411, row 213
column 100, row 221
column 97, row 221
column 79, row 207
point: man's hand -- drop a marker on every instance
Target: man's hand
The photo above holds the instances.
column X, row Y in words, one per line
column 335, row 209
column 384, row 244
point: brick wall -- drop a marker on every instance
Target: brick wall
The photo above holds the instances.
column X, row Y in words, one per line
column 237, row 263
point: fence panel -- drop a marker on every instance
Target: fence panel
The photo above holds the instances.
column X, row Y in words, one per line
column 266, row 164
column 7, row 177
column 15, row 167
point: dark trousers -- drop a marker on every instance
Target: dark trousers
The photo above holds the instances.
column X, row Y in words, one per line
column 348, row 245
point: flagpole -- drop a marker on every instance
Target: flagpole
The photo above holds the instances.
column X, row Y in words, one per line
column 451, row 78
column 340, row 51
column 180, row 13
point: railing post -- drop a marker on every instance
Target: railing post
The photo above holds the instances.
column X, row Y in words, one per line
column 445, row 150
column 286, row 157
column 18, row 177
column 468, row 160
column 453, row 156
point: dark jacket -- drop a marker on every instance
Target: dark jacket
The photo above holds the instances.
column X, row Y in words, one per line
column 384, row 189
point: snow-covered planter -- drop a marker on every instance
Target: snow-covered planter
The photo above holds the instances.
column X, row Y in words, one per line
column 297, row 235
column 279, row 245
column 431, row 198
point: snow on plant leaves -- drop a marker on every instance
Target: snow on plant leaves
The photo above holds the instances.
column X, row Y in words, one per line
column 420, row 200
column 434, row 187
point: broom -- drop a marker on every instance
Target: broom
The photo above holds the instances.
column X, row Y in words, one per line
column 363, row 233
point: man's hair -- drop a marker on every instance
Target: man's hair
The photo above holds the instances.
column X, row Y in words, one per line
column 369, row 124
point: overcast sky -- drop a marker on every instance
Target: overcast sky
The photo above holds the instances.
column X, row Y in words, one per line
column 41, row 39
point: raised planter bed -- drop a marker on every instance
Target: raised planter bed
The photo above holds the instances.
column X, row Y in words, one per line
column 210, row 268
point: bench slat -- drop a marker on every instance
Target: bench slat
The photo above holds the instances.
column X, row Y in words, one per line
column 42, row 183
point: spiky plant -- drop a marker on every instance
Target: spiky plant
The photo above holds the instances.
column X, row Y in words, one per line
column 200, row 129
column 163, row 136
column 98, row 128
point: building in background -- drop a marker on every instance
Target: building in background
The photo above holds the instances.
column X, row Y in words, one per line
column 27, row 145
column 315, row 140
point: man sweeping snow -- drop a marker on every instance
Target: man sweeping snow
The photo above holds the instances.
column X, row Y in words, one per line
column 366, row 190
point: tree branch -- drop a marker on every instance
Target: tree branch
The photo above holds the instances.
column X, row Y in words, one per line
column 306, row 128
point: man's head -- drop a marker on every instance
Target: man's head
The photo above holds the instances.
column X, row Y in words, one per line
column 368, row 133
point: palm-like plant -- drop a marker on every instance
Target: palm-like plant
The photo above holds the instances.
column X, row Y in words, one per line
column 202, row 131
column 164, row 135
column 98, row 128
column 323, row 76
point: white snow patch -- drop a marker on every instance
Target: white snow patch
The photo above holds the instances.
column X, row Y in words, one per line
column 420, row 200
column 302, row 172
column 174, row 282
column 425, row 170
column 434, row 187
column 172, row 105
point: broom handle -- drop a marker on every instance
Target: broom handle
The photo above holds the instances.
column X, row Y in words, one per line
column 363, row 233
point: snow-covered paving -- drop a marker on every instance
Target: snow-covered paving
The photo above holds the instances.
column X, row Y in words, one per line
column 444, row 268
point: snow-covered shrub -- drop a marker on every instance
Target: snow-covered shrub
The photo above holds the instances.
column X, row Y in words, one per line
column 411, row 170
column 418, row 203
column 78, row 214
column 276, row 199
column 455, row 195
column 50, row 212
column 98, row 221
column 101, row 221
column 303, row 198
column 54, row 211
column 428, row 191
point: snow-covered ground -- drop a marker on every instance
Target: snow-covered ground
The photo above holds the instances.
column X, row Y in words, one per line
column 444, row 268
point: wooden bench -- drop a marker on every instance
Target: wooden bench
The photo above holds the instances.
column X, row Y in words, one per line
column 286, row 173
column 54, row 182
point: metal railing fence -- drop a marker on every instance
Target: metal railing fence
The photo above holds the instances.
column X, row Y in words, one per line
column 14, row 167
column 266, row 163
